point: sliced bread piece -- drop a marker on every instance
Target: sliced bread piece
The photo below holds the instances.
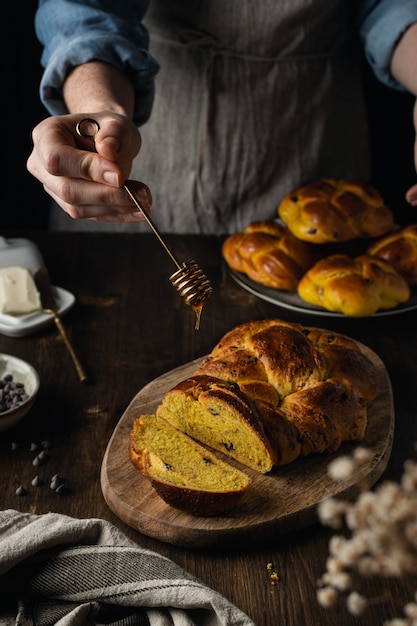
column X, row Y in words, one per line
column 219, row 415
column 184, row 473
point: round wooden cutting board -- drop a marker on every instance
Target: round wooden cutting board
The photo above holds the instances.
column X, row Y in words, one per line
column 282, row 501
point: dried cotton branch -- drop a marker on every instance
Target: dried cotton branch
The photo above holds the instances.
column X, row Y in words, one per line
column 381, row 541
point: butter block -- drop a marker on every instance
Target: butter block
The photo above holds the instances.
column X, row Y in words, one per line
column 18, row 293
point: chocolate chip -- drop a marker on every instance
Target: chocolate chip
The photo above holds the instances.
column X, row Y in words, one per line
column 56, row 482
column 37, row 482
column 21, row 491
column 57, row 478
column 61, row 490
column 12, row 393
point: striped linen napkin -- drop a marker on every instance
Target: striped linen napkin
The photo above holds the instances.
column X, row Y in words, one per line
column 74, row 572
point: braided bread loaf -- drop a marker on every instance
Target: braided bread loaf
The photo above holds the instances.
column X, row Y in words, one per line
column 332, row 210
column 271, row 391
column 357, row 286
column 269, row 254
column 400, row 249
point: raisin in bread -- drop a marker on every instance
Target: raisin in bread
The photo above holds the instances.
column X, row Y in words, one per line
column 357, row 287
column 335, row 210
column 184, row 473
column 269, row 254
column 400, row 249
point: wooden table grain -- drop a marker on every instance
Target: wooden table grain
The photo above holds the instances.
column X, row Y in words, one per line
column 130, row 326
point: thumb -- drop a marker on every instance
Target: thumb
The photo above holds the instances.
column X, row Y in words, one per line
column 118, row 140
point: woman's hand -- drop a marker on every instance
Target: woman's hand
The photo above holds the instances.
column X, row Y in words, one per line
column 85, row 176
column 411, row 195
column 403, row 68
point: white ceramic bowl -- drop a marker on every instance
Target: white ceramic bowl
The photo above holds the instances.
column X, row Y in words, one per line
column 22, row 372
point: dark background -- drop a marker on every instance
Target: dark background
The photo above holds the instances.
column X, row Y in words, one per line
column 25, row 204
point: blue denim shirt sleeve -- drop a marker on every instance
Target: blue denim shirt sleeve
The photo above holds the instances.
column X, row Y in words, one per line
column 75, row 32
column 381, row 25
column 111, row 31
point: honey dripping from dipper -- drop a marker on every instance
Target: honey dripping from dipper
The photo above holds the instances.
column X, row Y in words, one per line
column 189, row 280
column 193, row 286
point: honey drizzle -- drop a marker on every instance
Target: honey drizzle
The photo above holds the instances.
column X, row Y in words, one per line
column 193, row 286
column 197, row 310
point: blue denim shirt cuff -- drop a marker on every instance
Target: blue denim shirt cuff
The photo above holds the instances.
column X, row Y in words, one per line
column 382, row 30
column 139, row 65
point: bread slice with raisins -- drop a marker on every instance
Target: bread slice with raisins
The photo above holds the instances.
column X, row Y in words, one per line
column 184, row 473
column 216, row 413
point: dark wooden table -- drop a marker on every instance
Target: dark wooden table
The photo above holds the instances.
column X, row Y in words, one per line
column 129, row 326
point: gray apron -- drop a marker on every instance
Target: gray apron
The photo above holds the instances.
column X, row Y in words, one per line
column 252, row 100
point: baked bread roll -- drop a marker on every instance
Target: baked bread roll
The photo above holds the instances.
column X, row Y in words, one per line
column 357, row 286
column 182, row 472
column 268, row 393
column 238, row 401
column 333, row 210
column 400, row 249
column 271, row 359
column 325, row 415
column 268, row 253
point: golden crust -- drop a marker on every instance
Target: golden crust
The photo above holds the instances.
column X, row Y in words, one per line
column 357, row 287
column 270, row 392
column 290, row 370
column 327, row 414
column 335, row 210
column 269, row 254
column 399, row 249
column 274, row 351
column 345, row 361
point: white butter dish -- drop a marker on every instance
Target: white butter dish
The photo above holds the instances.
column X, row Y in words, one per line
column 24, row 253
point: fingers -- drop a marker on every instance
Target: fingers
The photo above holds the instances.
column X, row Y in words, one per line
column 415, row 130
column 60, row 151
column 142, row 193
column 411, row 195
column 102, row 202
column 84, row 175
column 114, row 138
column 118, row 142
